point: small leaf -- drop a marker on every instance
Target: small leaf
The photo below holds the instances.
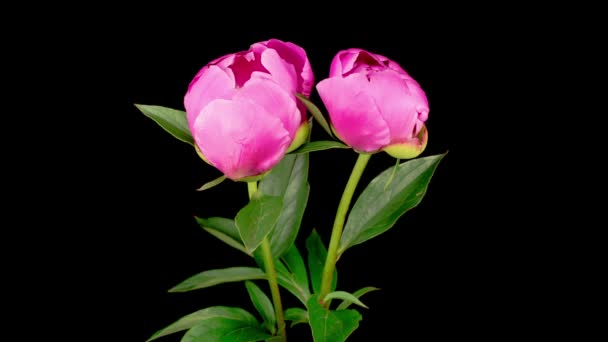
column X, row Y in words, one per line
column 346, row 303
column 319, row 146
column 345, row 296
column 317, row 253
column 171, row 120
column 225, row 330
column 328, row 325
column 219, row 276
column 262, row 303
column 212, row 183
column 377, row 210
column 295, row 263
column 288, row 180
column 288, row 281
column 214, row 312
column 296, row 316
column 316, row 113
column 257, row 219
column 223, row 229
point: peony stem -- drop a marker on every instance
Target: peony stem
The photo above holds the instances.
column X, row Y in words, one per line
column 252, row 188
column 336, row 233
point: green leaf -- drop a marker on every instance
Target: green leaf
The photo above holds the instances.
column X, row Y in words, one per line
column 212, row 183
column 390, row 178
column 287, row 180
column 262, row 303
column 288, row 281
column 317, row 253
column 296, row 316
column 344, row 296
column 214, row 312
column 328, row 325
column 316, row 113
column 295, row 263
column 223, row 229
column 257, row 219
column 225, row 330
column 171, row 120
column 377, row 210
column 219, row 276
column 275, row 339
column 319, row 146
column 346, row 303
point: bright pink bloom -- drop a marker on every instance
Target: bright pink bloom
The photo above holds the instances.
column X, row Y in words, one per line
column 242, row 110
column 374, row 104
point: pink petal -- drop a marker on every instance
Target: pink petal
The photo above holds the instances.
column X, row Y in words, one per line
column 240, row 138
column 274, row 99
column 391, row 65
column 402, row 103
column 343, row 62
column 243, row 67
column 295, row 55
column 209, row 84
column 353, row 113
column 223, row 61
column 282, row 72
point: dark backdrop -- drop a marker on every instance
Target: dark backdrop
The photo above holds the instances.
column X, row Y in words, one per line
column 442, row 268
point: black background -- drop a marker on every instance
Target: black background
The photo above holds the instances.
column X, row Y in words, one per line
column 429, row 267
column 458, row 265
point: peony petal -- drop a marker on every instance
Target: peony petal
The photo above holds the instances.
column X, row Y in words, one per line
column 343, row 62
column 354, row 114
column 275, row 100
column 295, row 55
column 390, row 64
column 240, row 138
column 244, row 66
column 402, row 107
column 209, row 84
column 282, row 72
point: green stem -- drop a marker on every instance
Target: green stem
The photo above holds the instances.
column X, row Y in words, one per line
column 336, row 233
column 271, row 272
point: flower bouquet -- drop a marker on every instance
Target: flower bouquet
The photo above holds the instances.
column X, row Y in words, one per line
column 247, row 115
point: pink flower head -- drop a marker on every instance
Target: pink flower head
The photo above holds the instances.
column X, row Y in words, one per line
column 242, row 110
column 375, row 105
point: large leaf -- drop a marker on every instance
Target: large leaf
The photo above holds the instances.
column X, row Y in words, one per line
column 346, row 303
column 317, row 253
column 289, row 282
column 262, row 303
column 377, row 209
column 319, row 146
column 295, row 263
column 171, row 120
column 316, row 113
column 219, row 276
column 257, row 219
column 225, row 330
column 296, row 316
column 328, row 325
column 214, row 312
column 223, row 229
column 287, row 180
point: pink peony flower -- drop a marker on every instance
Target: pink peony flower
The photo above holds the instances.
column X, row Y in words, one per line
column 374, row 105
column 242, row 110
